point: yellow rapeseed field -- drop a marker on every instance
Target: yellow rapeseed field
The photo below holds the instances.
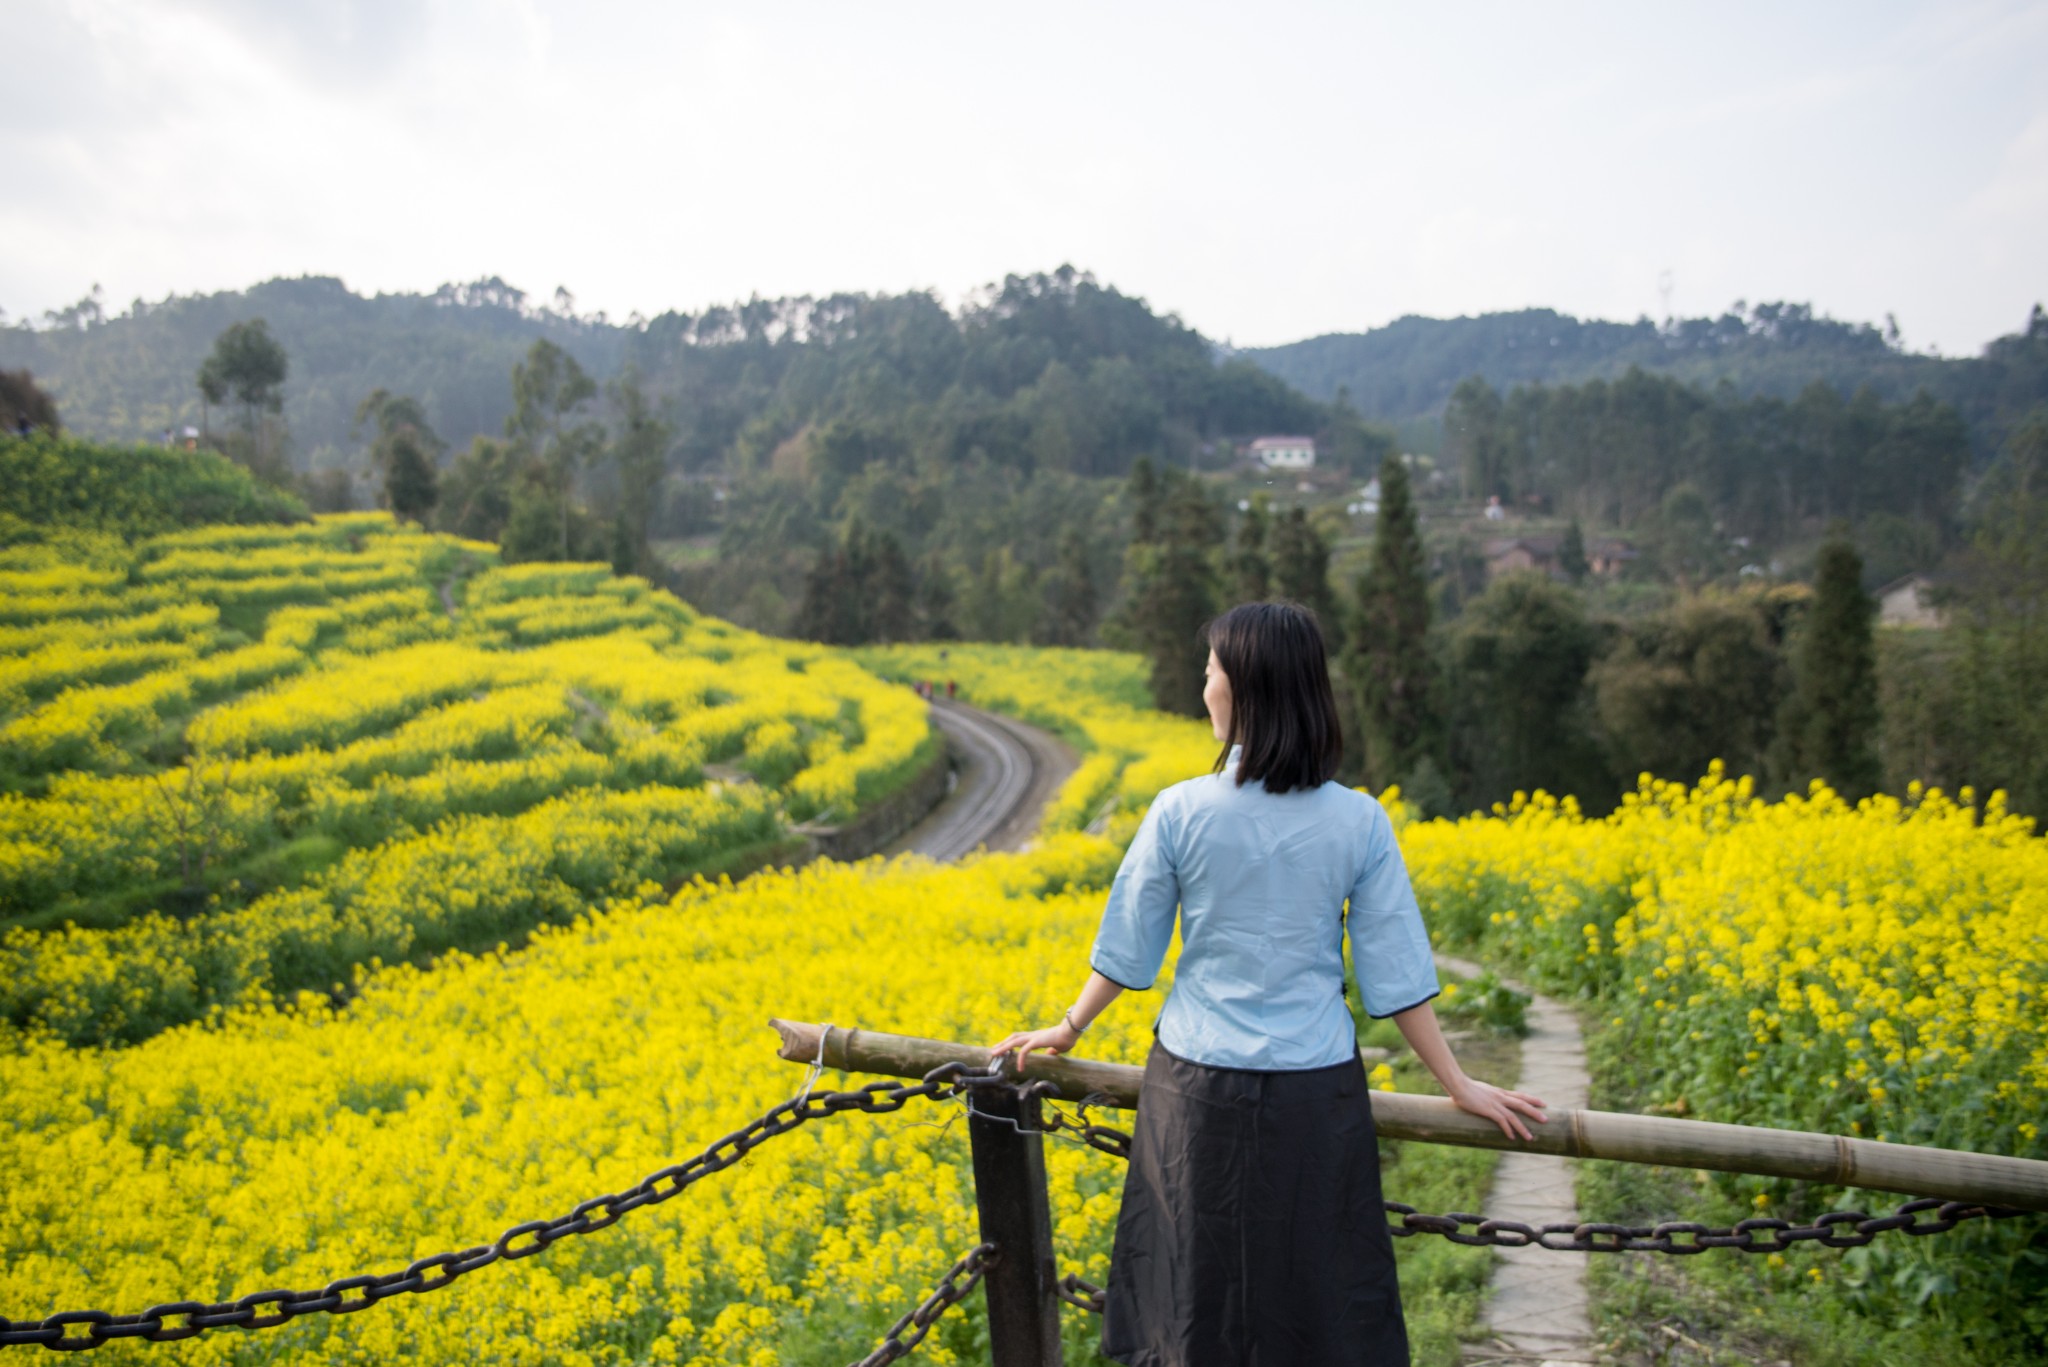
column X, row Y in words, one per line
column 1877, row 968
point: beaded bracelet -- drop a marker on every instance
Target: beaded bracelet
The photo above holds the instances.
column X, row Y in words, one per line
column 1068, row 1016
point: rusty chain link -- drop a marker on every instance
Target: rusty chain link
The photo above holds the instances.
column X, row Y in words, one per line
column 1762, row 1234
column 1836, row 1229
column 948, row 1293
column 177, row 1320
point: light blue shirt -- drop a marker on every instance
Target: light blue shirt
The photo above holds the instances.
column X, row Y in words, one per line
column 1261, row 880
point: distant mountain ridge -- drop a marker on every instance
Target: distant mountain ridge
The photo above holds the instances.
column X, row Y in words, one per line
column 130, row 376
column 1407, row 369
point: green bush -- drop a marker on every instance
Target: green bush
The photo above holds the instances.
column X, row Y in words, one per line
column 49, row 482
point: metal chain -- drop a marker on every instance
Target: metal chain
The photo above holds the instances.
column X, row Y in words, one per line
column 1763, row 1234
column 1074, row 1291
column 267, row 1309
column 948, row 1293
column 1837, row 1229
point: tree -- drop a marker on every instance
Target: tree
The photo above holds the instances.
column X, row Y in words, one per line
column 933, row 608
column 249, row 365
column 406, row 449
column 1472, row 438
column 2002, row 602
column 1173, row 590
column 1070, row 597
column 1699, row 682
column 1830, row 722
column 1388, row 665
column 548, row 389
column 1301, row 571
column 640, row 455
column 1571, row 554
column 476, row 494
column 1250, row 570
column 1518, row 659
column 887, row 591
column 24, row 406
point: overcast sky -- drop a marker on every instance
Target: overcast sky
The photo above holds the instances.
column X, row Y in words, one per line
column 1268, row 171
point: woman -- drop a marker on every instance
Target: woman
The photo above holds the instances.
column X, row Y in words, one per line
column 1252, row 1230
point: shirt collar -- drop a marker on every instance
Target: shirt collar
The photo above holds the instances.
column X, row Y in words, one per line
column 1236, row 752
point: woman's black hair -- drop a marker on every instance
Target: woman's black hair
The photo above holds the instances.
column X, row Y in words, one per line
column 1281, row 708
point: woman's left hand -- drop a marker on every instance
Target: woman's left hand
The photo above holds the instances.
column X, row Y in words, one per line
column 1054, row 1039
column 1501, row 1106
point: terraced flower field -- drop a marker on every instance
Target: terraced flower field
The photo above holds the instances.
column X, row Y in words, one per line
column 247, row 760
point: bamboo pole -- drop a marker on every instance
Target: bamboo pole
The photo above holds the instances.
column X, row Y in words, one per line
column 1832, row 1160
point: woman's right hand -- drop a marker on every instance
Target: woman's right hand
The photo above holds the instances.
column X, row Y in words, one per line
column 1054, row 1039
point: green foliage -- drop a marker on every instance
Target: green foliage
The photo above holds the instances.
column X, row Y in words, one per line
column 1698, row 682
column 1829, row 722
column 1694, row 469
column 248, row 365
column 1388, row 664
column 1968, row 705
column 1487, row 1002
column 1301, row 571
column 861, row 591
column 1172, row 584
column 1520, row 714
column 1571, row 554
column 1071, row 601
column 406, row 449
column 50, row 482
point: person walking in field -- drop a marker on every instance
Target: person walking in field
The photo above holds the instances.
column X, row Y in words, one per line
column 1252, row 1232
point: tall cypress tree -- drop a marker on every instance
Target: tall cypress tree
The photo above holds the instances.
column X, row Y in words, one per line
column 1831, row 726
column 1388, row 664
column 1571, row 554
column 1301, row 571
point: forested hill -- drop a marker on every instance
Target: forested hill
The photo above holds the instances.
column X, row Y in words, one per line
column 127, row 377
column 1051, row 369
column 1408, row 368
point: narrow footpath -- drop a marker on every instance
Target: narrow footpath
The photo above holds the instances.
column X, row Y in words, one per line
column 1537, row 1312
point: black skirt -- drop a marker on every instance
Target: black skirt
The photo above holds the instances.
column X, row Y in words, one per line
column 1252, row 1232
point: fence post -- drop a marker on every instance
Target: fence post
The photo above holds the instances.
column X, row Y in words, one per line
column 1009, row 1194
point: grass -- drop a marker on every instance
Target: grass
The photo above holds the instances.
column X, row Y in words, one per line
column 1808, row 1306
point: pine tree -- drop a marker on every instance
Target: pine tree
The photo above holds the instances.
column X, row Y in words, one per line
column 1173, row 589
column 1071, row 600
column 1251, row 569
column 1571, row 554
column 934, row 606
column 1831, row 727
column 1388, row 665
column 888, row 591
column 1301, row 572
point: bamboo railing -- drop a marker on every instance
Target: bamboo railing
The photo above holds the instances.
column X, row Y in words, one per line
column 1834, row 1160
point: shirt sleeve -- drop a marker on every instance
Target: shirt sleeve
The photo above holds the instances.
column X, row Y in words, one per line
column 1137, row 922
column 1390, row 953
